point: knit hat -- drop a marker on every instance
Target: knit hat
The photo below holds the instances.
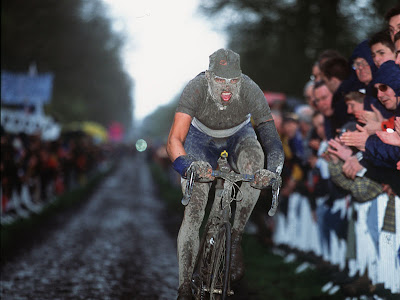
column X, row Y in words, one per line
column 389, row 74
column 225, row 63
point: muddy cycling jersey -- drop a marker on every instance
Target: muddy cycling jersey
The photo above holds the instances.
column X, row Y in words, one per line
column 196, row 101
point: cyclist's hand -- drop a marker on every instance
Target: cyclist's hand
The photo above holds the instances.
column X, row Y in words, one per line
column 264, row 178
column 202, row 171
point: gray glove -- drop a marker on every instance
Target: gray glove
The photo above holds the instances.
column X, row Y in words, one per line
column 264, row 178
column 202, row 171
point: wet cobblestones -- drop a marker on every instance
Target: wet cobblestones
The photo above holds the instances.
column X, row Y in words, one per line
column 114, row 247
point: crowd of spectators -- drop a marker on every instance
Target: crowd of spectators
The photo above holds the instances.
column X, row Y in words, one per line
column 34, row 171
column 344, row 143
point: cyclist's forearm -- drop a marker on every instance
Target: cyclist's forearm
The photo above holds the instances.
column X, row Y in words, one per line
column 175, row 149
column 272, row 146
column 177, row 136
column 177, row 154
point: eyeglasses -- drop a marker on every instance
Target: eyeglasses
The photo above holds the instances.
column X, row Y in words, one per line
column 383, row 87
column 360, row 64
column 226, row 80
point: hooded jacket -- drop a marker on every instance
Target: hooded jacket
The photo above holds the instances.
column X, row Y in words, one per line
column 376, row 151
column 363, row 50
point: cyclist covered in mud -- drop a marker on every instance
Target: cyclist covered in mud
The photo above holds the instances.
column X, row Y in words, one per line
column 214, row 115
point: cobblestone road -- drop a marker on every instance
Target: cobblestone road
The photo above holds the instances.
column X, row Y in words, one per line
column 114, row 247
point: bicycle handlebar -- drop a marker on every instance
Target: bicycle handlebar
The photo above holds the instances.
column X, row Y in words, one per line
column 232, row 176
column 235, row 177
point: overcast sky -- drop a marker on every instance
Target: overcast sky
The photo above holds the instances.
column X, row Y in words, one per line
column 168, row 43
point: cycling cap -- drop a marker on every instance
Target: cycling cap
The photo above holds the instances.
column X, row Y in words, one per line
column 225, row 63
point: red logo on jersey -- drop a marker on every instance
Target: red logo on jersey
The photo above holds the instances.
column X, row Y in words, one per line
column 223, row 62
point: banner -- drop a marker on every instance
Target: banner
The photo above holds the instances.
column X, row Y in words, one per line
column 21, row 88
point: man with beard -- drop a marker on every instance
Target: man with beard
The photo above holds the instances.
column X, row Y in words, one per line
column 214, row 115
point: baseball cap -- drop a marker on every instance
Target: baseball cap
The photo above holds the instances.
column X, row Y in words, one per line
column 225, row 63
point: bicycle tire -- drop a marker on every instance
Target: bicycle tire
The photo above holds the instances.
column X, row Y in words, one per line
column 221, row 270
column 201, row 267
column 212, row 268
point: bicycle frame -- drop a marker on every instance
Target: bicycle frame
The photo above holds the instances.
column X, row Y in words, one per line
column 208, row 263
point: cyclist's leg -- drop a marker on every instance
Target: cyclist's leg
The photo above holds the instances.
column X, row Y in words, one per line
column 188, row 236
column 248, row 158
column 202, row 147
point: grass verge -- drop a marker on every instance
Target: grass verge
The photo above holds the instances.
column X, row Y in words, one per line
column 273, row 278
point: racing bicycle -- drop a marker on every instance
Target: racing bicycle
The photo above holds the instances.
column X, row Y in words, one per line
column 211, row 274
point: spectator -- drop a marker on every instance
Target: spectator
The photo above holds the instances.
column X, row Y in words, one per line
column 315, row 72
column 397, row 47
column 387, row 83
column 291, row 128
column 392, row 17
column 318, row 175
column 305, row 113
column 355, row 102
column 292, row 172
column 336, row 75
column 323, row 102
column 308, row 93
column 363, row 63
column 382, row 48
column 316, row 69
column 318, row 183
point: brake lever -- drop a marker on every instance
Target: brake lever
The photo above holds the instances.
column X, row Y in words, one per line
column 188, row 191
column 276, row 186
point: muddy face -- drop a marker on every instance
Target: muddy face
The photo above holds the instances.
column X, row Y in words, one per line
column 223, row 91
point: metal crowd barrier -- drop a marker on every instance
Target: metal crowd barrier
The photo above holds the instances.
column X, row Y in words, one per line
column 376, row 249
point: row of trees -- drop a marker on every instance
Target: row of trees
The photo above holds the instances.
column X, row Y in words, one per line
column 279, row 40
column 74, row 40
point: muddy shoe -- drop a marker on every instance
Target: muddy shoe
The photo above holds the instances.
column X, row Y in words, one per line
column 237, row 264
column 185, row 291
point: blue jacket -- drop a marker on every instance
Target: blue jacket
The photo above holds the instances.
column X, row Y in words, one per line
column 380, row 154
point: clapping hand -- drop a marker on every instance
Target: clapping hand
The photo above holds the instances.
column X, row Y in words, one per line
column 356, row 139
column 339, row 149
column 365, row 116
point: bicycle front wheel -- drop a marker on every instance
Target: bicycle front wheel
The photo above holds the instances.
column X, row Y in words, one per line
column 211, row 274
column 220, row 277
